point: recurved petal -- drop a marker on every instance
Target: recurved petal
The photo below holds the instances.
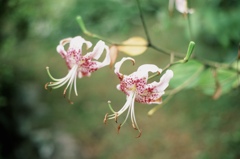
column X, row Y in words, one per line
column 61, row 51
column 164, row 81
column 107, row 59
column 118, row 65
column 144, row 69
column 65, row 41
column 77, row 42
column 98, row 50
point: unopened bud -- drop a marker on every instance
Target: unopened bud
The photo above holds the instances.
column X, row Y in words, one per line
column 81, row 24
column 191, row 47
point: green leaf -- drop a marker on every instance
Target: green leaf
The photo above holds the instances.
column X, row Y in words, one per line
column 227, row 79
column 206, row 82
column 183, row 72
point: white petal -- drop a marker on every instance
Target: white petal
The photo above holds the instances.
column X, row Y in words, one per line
column 61, row 51
column 119, row 64
column 164, row 81
column 60, row 47
column 97, row 52
column 65, row 41
column 77, row 42
column 144, row 69
column 107, row 59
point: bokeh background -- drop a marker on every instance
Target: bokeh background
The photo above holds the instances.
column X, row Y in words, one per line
column 38, row 124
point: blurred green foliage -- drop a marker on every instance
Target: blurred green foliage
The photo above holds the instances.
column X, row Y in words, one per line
column 36, row 123
column 207, row 78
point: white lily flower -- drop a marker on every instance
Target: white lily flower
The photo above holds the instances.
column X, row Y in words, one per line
column 137, row 89
column 79, row 65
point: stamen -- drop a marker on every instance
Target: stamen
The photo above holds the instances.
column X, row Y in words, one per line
column 46, row 86
column 64, row 92
column 105, row 119
column 64, row 95
column 140, row 133
column 70, row 101
column 116, row 116
column 134, row 127
column 119, row 127
column 110, row 107
column 49, row 74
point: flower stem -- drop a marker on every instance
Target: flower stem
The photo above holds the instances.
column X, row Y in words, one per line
column 143, row 23
column 85, row 31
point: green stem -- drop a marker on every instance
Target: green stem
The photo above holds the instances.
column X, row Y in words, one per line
column 185, row 59
column 143, row 23
column 163, row 70
column 85, row 31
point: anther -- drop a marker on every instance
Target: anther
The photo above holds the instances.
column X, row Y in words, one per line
column 134, row 127
column 46, row 86
column 70, row 101
column 64, row 93
column 119, row 127
column 140, row 133
column 105, row 119
column 116, row 116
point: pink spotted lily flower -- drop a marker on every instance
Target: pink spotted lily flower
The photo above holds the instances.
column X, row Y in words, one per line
column 79, row 65
column 137, row 89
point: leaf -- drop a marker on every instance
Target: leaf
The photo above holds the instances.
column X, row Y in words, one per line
column 133, row 46
column 227, row 79
column 185, row 71
column 224, row 81
column 206, row 82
